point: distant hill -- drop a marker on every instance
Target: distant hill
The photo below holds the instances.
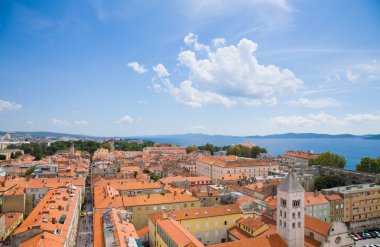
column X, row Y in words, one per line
column 42, row 134
column 372, row 137
column 195, row 138
column 307, row 135
column 200, row 139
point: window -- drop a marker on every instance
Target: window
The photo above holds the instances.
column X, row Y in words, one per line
column 296, row 203
column 294, row 215
column 284, row 223
column 299, row 214
column 225, row 222
column 281, row 213
column 285, row 215
column 293, row 225
column 283, row 202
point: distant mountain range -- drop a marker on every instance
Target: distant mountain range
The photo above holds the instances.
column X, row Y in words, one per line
column 195, row 137
column 43, row 134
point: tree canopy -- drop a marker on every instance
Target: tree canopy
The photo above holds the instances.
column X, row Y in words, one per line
column 190, row 149
column 329, row 159
column 326, row 182
column 244, row 151
column 368, row 164
column 41, row 150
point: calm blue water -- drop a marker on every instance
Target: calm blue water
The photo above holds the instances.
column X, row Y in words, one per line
column 353, row 149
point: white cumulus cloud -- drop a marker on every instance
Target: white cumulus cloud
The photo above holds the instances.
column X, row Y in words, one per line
column 311, row 120
column 8, row 105
column 125, row 119
column 188, row 95
column 323, row 119
column 29, row 122
column 217, row 42
column 198, row 127
column 317, row 103
column 160, row 70
column 191, row 40
column 362, row 117
column 81, row 122
column 136, row 67
column 227, row 75
column 352, row 77
column 60, row 122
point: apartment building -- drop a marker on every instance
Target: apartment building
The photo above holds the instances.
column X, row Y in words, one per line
column 140, row 206
column 118, row 231
column 218, row 167
column 208, row 224
column 9, row 222
column 169, row 233
column 14, row 199
column 336, row 207
column 299, row 157
column 361, row 204
column 54, row 222
column 130, row 186
column 187, row 182
column 317, row 205
column 37, row 189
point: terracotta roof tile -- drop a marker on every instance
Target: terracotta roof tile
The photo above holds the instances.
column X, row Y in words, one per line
column 234, row 161
column 238, row 233
column 195, row 213
column 269, row 240
column 317, row 225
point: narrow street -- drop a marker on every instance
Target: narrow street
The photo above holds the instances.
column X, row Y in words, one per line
column 85, row 231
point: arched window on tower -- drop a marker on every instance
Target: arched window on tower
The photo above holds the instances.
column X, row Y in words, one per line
column 296, row 203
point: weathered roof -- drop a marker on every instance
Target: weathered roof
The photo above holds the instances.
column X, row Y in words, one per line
column 290, row 184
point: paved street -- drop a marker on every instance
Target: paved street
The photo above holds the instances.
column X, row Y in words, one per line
column 85, row 231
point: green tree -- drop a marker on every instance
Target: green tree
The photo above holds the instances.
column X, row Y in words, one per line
column 146, row 171
column 326, row 182
column 190, row 149
column 30, row 170
column 154, row 177
column 17, row 154
column 244, row 151
column 2, row 157
column 135, row 174
column 329, row 159
column 13, row 155
column 368, row 164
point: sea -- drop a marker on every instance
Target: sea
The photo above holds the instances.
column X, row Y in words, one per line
column 352, row 149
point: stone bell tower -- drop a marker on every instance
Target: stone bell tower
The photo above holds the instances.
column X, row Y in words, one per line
column 290, row 211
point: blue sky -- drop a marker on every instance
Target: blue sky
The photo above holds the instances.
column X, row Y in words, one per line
column 244, row 67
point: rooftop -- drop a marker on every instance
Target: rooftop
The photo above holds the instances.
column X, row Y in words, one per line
column 312, row 198
column 272, row 240
column 317, row 225
column 53, row 213
column 234, row 161
column 158, row 199
column 353, row 188
column 196, row 213
column 290, row 184
column 178, row 234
